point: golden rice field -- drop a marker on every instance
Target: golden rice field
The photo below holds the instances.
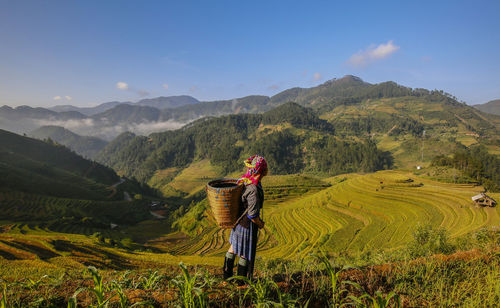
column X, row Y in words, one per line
column 347, row 213
column 357, row 213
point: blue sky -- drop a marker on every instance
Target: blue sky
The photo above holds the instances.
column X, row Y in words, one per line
column 89, row 52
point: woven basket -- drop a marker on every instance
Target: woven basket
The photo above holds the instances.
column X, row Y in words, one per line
column 224, row 197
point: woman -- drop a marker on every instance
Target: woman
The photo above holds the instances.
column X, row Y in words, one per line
column 243, row 238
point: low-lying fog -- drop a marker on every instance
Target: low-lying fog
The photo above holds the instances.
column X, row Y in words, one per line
column 90, row 127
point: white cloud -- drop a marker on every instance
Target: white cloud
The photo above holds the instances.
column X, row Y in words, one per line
column 165, row 86
column 317, row 76
column 57, row 98
column 372, row 53
column 106, row 129
column 125, row 87
column 67, row 97
column 122, row 85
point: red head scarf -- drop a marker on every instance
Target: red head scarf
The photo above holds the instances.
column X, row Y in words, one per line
column 255, row 165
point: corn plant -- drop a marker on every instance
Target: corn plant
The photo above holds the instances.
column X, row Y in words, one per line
column 73, row 302
column 56, row 281
column 260, row 292
column 190, row 294
column 3, row 301
column 124, row 301
column 338, row 292
column 151, row 281
column 129, row 282
column 284, row 300
column 377, row 301
column 99, row 288
column 34, row 284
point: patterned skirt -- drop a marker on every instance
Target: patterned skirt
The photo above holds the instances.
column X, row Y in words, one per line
column 244, row 240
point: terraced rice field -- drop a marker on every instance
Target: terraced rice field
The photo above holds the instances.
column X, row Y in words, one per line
column 358, row 213
column 192, row 178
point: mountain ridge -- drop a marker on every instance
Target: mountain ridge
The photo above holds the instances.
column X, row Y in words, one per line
column 143, row 119
column 492, row 107
column 85, row 146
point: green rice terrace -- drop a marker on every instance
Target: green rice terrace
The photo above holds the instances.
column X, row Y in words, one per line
column 347, row 213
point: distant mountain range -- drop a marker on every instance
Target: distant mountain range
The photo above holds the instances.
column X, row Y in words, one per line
column 492, row 107
column 108, row 120
column 161, row 102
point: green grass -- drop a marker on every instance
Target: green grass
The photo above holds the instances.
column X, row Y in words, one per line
column 463, row 279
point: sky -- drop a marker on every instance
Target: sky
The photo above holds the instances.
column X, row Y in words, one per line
column 85, row 53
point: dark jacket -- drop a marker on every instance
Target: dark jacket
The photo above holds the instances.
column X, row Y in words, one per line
column 253, row 200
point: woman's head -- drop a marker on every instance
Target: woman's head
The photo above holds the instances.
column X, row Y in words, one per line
column 256, row 169
column 256, row 165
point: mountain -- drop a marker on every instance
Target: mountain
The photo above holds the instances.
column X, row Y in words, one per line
column 86, row 146
column 161, row 102
column 164, row 102
column 37, row 113
column 24, row 119
column 88, row 111
column 492, row 107
column 129, row 114
column 248, row 104
column 293, row 139
column 337, row 116
column 357, row 107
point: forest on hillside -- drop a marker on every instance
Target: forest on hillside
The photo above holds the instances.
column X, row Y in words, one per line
column 292, row 138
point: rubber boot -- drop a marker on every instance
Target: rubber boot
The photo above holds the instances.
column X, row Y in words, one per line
column 242, row 268
column 228, row 265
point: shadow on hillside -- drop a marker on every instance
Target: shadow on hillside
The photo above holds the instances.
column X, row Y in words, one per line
column 41, row 252
column 93, row 256
column 7, row 255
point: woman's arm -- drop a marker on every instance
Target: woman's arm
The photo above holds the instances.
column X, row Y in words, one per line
column 252, row 199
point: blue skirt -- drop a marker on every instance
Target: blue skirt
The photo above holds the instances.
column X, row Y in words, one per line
column 244, row 240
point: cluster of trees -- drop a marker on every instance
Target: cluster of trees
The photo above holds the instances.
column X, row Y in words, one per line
column 339, row 156
column 476, row 163
column 297, row 116
column 394, row 125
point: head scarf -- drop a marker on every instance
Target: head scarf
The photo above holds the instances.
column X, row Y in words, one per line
column 255, row 165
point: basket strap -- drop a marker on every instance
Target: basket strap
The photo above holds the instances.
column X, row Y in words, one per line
column 241, row 217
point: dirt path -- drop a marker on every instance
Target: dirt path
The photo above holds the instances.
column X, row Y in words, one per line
column 118, row 183
column 157, row 215
column 126, row 195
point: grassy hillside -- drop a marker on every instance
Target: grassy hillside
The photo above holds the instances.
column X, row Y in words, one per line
column 55, row 156
column 83, row 145
column 48, row 186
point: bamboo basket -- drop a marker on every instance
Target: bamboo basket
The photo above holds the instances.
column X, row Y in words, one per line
column 224, row 197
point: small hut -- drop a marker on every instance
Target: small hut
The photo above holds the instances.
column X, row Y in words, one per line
column 484, row 200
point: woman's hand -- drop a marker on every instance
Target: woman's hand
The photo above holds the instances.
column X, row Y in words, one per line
column 261, row 225
column 258, row 222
